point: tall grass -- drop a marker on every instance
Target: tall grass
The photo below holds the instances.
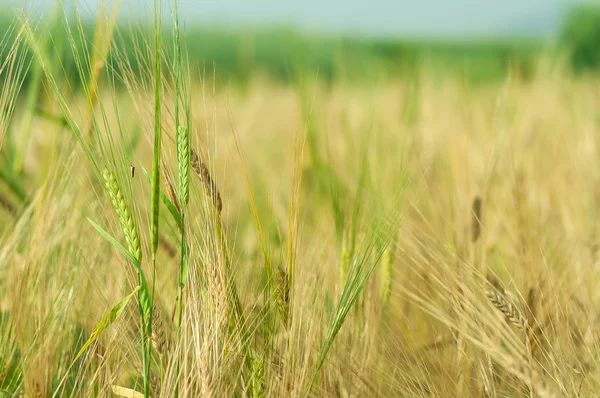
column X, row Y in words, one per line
column 303, row 239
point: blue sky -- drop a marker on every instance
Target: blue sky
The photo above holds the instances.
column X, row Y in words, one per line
column 417, row 18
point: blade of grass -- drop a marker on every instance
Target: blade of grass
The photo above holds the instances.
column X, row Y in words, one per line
column 117, row 245
column 105, row 322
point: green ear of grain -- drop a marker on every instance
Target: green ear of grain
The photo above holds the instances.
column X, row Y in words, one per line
column 105, row 322
column 183, row 158
column 167, row 202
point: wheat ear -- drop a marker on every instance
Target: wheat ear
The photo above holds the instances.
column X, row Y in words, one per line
column 183, row 162
column 209, row 185
column 508, row 309
column 120, row 206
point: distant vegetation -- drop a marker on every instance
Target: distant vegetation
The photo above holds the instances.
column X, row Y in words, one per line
column 581, row 37
column 282, row 54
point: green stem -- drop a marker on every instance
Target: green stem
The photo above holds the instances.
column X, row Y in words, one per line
column 182, row 282
column 146, row 334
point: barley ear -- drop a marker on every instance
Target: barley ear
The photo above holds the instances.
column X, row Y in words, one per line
column 183, row 161
column 508, row 309
column 283, row 294
column 120, row 207
column 209, row 185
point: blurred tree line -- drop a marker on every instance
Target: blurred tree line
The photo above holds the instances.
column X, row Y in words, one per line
column 285, row 54
column 580, row 36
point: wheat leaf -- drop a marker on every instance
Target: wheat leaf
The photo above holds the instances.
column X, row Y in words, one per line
column 117, row 245
column 105, row 322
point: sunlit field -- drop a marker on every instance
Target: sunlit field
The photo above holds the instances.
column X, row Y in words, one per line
column 167, row 232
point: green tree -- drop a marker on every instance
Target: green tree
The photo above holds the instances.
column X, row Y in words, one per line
column 580, row 35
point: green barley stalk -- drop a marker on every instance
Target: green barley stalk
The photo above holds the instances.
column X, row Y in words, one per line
column 154, row 212
column 157, row 135
column 183, row 163
column 130, row 231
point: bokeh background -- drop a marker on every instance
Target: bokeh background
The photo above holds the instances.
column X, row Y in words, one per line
column 480, row 41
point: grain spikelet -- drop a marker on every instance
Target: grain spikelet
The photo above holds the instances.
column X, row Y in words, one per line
column 219, row 296
column 183, row 163
column 283, row 294
column 159, row 335
column 127, row 224
column 209, row 185
column 508, row 309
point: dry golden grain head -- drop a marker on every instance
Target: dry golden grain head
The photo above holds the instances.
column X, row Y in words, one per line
column 218, row 294
column 508, row 309
column 207, row 383
column 283, row 294
column 155, row 385
column 209, row 185
column 159, row 334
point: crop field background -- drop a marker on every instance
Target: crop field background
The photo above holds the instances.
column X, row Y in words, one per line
column 190, row 212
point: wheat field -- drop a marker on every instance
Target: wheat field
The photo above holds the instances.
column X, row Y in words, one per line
column 166, row 233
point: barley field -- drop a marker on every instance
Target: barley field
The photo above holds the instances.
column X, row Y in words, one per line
column 165, row 233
